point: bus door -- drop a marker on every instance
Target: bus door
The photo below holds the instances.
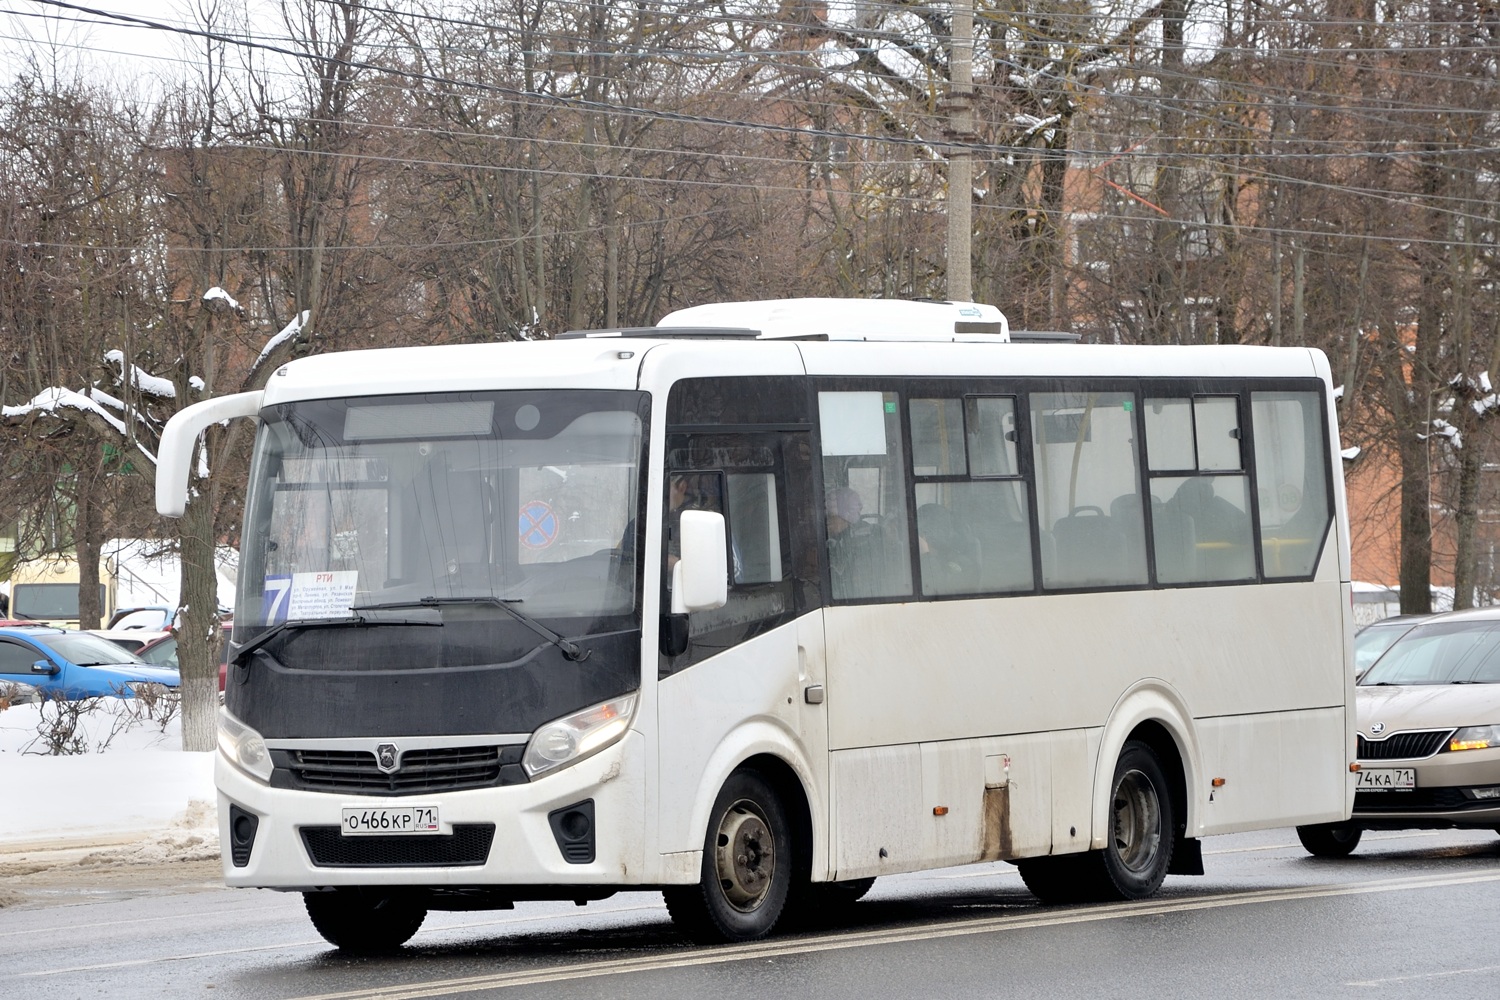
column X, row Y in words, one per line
column 760, row 657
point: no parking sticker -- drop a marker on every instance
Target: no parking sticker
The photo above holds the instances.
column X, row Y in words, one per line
column 538, row 524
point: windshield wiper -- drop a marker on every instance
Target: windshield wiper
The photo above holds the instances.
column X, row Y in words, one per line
column 570, row 649
column 300, row 624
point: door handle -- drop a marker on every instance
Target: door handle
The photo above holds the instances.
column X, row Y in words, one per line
column 813, row 694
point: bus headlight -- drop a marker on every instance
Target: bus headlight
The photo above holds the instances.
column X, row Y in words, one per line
column 243, row 747
column 1475, row 738
column 570, row 739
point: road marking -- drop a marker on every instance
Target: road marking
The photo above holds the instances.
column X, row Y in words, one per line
column 1423, row 975
column 165, row 958
column 865, row 939
column 314, row 943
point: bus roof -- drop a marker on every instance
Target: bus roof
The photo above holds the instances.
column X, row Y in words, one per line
column 850, row 337
column 851, row 319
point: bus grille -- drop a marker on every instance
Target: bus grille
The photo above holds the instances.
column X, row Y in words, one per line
column 443, row 769
column 468, row 845
column 1404, row 746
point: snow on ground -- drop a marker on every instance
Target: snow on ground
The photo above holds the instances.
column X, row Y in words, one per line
column 140, row 799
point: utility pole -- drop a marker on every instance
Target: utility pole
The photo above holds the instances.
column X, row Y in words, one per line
column 960, row 159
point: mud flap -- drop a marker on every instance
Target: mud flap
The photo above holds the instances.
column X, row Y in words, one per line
column 1187, row 857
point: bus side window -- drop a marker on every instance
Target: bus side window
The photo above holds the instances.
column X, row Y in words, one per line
column 973, row 528
column 864, row 489
column 741, row 476
column 754, row 529
column 1200, row 504
column 1291, row 476
column 1088, row 489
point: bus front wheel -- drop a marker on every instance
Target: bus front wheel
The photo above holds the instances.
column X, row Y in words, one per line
column 364, row 921
column 747, row 867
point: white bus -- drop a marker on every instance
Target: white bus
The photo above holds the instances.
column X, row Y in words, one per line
column 768, row 601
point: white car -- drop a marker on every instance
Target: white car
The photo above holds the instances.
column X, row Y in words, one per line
column 1428, row 720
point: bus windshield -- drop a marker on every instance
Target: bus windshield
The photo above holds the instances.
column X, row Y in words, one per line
column 528, row 498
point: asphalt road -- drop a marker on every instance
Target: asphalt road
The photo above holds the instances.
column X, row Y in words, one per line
column 1408, row 915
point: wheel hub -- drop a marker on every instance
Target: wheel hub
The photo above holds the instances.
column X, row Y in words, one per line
column 1137, row 821
column 746, row 857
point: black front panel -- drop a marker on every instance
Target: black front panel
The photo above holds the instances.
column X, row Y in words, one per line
column 464, row 678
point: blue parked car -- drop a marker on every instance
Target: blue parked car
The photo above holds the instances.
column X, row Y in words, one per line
column 73, row 664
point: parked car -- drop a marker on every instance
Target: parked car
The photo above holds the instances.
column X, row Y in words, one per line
column 1376, row 637
column 162, row 651
column 12, row 693
column 73, row 664
column 1428, row 720
column 133, row 639
column 155, row 617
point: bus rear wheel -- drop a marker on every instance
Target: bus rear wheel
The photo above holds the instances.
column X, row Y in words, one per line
column 1055, row 880
column 1329, row 840
column 747, row 867
column 364, row 921
column 1138, row 850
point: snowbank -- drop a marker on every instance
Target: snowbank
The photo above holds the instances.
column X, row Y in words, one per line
column 141, row 788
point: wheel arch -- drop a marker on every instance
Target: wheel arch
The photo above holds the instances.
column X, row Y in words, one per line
column 1154, row 713
column 764, row 748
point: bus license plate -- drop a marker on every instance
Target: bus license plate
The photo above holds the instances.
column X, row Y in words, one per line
column 406, row 819
column 1380, row 779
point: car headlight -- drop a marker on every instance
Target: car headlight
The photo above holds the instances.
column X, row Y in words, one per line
column 1475, row 738
column 243, row 747
column 574, row 737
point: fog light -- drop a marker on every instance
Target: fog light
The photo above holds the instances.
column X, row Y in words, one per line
column 1493, row 792
column 573, row 826
column 242, row 827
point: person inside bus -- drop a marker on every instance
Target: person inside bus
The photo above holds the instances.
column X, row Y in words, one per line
column 679, row 492
column 948, row 564
column 844, row 509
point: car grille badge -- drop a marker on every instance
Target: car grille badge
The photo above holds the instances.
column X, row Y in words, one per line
column 1376, row 728
column 387, row 758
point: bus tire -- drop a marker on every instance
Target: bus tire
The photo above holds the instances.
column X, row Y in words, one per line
column 747, row 867
column 1135, row 860
column 815, row 905
column 364, row 921
column 1329, row 840
column 1056, row 880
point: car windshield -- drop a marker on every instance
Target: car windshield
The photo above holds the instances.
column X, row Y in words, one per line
column 88, row 650
column 1375, row 639
column 1454, row 652
column 525, row 497
column 163, row 653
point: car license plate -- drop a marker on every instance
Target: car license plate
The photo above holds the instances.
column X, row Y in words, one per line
column 1383, row 779
column 360, row 822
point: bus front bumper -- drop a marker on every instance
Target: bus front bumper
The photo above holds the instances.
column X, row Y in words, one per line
column 292, row 828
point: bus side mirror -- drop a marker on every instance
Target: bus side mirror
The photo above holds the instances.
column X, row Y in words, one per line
column 45, row 667
column 174, row 455
column 700, row 580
